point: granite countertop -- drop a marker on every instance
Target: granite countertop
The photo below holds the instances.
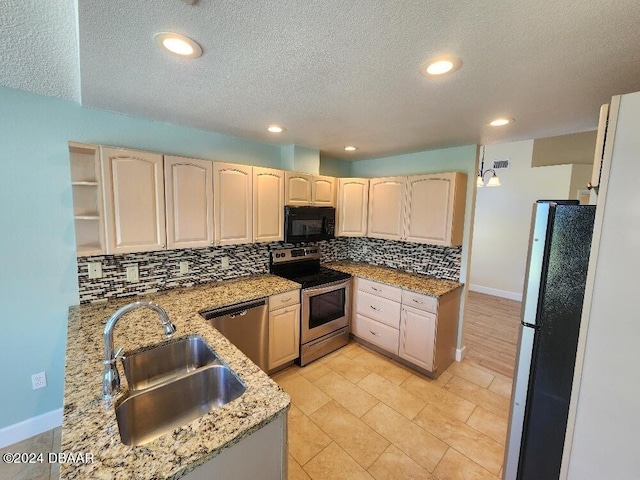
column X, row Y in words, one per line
column 88, row 427
column 425, row 284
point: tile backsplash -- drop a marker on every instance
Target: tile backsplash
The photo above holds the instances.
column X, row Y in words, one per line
column 161, row 270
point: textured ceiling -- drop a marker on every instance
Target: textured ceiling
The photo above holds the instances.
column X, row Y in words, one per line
column 336, row 73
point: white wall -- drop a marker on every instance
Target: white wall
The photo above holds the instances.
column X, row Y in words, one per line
column 503, row 218
column 605, row 436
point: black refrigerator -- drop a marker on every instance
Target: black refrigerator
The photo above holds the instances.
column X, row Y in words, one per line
column 559, row 248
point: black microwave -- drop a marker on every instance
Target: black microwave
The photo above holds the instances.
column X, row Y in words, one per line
column 309, row 224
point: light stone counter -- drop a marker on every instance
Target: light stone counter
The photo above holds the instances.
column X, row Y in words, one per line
column 435, row 287
column 90, row 428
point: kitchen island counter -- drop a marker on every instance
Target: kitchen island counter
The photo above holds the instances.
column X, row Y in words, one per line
column 91, row 428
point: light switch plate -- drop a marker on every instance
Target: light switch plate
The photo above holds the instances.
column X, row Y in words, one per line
column 184, row 267
column 132, row 273
column 225, row 262
column 95, row 270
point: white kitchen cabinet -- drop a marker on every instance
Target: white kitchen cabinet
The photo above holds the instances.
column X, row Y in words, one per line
column 134, row 200
column 233, row 203
column 386, row 208
column 298, row 188
column 189, row 202
column 323, row 191
column 268, row 205
column 435, row 206
column 284, row 328
column 417, row 337
column 353, row 195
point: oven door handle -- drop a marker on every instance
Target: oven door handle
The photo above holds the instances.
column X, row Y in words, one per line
column 327, row 287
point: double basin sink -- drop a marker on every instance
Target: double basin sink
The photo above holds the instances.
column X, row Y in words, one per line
column 170, row 386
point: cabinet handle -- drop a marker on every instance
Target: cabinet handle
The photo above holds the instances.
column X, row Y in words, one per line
column 285, row 300
column 376, row 309
column 375, row 289
column 417, row 301
column 374, row 333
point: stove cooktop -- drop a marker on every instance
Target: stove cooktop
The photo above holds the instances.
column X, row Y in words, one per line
column 322, row 277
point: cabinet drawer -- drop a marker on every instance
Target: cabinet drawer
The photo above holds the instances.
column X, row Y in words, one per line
column 420, row 301
column 284, row 299
column 379, row 289
column 380, row 309
column 377, row 333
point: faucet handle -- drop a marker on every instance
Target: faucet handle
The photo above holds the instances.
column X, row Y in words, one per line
column 112, row 360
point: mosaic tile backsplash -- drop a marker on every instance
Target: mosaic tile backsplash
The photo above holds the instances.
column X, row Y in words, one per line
column 160, row 270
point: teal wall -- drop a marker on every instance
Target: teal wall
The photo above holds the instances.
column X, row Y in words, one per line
column 38, row 279
column 334, row 167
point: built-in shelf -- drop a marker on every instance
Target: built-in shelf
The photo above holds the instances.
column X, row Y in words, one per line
column 87, row 217
column 84, row 184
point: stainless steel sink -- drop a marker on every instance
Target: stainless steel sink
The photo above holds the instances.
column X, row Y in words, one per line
column 172, row 360
column 171, row 385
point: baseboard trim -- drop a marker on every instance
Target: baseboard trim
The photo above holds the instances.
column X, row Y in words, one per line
column 496, row 292
column 30, row 427
column 461, row 353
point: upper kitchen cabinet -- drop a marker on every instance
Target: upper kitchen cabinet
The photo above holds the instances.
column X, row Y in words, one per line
column 323, row 191
column 353, row 194
column 435, row 208
column 297, row 189
column 233, row 205
column 86, row 186
column 386, row 208
column 268, row 205
column 189, row 202
column 134, row 200
column 307, row 189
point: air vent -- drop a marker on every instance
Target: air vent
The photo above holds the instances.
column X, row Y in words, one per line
column 502, row 163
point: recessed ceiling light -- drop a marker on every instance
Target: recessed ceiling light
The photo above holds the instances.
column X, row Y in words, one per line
column 275, row 129
column 440, row 65
column 178, row 44
column 350, row 148
column 499, row 122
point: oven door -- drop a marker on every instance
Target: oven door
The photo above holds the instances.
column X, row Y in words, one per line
column 325, row 309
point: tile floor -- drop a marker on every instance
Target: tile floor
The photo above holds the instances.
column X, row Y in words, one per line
column 358, row 415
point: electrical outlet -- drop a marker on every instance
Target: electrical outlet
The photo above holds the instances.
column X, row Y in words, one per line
column 38, row 380
column 132, row 273
column 95, row 270
column 365, row 249
column 184, row 267
column 225, row 262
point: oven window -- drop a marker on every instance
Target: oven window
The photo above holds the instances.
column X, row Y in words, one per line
column 306, row 227
column 326, row 307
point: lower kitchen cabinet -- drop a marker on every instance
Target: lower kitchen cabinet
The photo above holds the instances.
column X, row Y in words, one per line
column 284, row 328
column 417, row 337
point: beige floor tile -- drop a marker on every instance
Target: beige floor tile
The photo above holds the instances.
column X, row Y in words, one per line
column 478, row 447
column 287, row 373
column 480, row 396
column 350, row 396
column 306, row 439
column 393, row 464
column 442, row 380
column 434, row 394
column 421, row 446
column 352, row 350
column 472, row 373
column 304, row 394
column 348, row 368
column 313, row 371
column 394, row 396
column 383, row 367
column 41, row 443
column 354, row 436
column 490, row 424
column 295, row 470
column 455, row 466
column 502, row 386
column 333, row 463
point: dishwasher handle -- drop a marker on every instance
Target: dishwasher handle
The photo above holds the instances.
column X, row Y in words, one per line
column 233, row 311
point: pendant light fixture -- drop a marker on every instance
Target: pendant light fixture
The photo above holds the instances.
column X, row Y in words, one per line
column 494, row 181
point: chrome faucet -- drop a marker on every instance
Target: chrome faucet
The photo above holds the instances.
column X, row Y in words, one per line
column 111, row 379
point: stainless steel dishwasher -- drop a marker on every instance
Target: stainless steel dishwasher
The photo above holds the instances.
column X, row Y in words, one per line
column 246, row 325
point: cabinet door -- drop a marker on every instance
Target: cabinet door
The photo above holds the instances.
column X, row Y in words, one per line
column 189, row 198
column 134, row 200
column 284, row 335
column 353, row 194
column 435, row 208
column 232, row 189
column 386, row 207
column 297, row 190
column 268, row 205
column 417, row 337
column 323, row 191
